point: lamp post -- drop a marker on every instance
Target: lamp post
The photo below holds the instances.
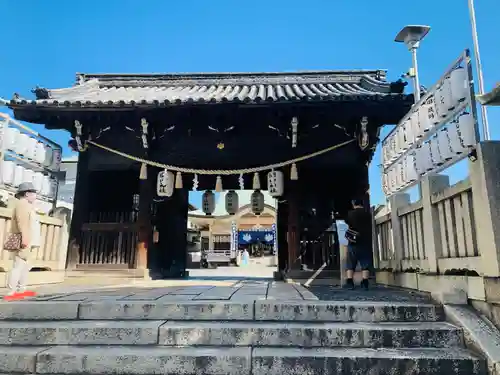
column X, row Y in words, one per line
column 411, row 36
column 479, row 69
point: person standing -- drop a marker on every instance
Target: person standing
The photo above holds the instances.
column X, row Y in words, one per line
column 26, row 224
column 359, row 241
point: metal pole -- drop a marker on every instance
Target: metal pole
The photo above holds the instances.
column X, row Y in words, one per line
column 479, row 69
column 416, row 82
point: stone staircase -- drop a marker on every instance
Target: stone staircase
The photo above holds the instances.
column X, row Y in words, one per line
column 241, row 334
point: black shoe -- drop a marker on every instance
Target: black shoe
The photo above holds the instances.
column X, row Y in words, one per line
column 364, row 284
column 349, row 284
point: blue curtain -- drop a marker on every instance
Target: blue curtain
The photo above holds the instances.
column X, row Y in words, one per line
column 246, row 237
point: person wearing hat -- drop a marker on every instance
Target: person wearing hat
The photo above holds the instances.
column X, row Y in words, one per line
column 25, row 222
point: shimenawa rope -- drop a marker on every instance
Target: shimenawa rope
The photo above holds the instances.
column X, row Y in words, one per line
column 225, row 172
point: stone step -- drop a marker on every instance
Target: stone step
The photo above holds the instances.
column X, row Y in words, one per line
column 255, row 334
column 131, row 360
column 170, row 308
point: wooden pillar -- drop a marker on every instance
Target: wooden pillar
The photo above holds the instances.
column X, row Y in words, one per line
column 80, row 209
column 282, row 225
column 293, row 227
column 144, row 223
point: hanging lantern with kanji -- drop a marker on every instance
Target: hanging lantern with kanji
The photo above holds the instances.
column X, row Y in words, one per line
column 232, row 204
column 165, row 184
column 257, row 201
column 275, row 183
column 208, row 202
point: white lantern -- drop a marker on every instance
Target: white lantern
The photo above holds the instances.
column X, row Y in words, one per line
column 432, row 112
column 28, row 175
column 232, row 202
column 385, row 184
column 413, row 127
column 165, row 184
column 31, row 148
column 45, row 186
column 400, row 181
column 448, row 99
column 56, row 160
column 411, row 172
column 455, row 142
column 275, row 183
column 392, row 179
column 426, row 155
column 420, row 165
column 21, row 147
column 459, row 85
column 445, row 145
column 48, row 156
column 467, row 130
column 208, row 202
column 38, row 181
column 52, row 188
column 40, row 153
column 11, row 135
column 257, row 201
column 8, row 167
column 18, row 175
column 436, row 157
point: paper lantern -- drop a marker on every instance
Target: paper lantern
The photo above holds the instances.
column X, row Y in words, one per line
column 48, row 156
column 426, row 155
column 232, row 202
column 31, row 148
column 432, row 112
column 8, row 167
column 413, row 127
column 165, row 184
column 455, row 142
column 56, row 160
column 459, row 85
column 18, row 175
column 467, row 130
column 28, row 175
column 445, row 145
column 21, row 147
column 208, row 202
column 411, row 172
column 436, row 157
column 53, row 184
column 275, row 183
column 385, row 187
column 257, row 202
column 11, row 135
column 38, row 181
column 400, row 181
column 45, row 186
column 449, row 103
column 39, row 156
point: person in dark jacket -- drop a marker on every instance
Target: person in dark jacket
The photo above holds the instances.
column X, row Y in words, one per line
column 359, row 238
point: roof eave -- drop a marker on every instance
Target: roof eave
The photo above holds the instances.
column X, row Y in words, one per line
column 491, row 98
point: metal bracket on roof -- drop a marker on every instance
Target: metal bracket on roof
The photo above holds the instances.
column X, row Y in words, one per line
column 295, row 125
column 144, row 136
column 78, row 138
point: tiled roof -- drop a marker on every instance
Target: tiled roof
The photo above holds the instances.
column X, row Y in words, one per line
column 491, row 98
column 104, row 90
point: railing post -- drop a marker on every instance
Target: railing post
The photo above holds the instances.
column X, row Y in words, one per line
column 396, row 201
column 431, row 227
column 62, row 251
column 485, row 181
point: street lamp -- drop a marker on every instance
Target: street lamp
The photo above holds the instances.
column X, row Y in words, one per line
column 411, row 36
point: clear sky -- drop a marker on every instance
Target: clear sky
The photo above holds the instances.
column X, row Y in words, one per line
column 46, row 42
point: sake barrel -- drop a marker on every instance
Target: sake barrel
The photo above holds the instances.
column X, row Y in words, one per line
column 40, row 153
column 38, row 181
column 22, row 144
column 11, row 135
column 8, row 167
column 48, row 156
column 459, row 85
column 31, row 148
column 18, row 175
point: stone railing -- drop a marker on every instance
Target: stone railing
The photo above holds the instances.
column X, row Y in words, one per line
column 49, row 262
column 449, row 240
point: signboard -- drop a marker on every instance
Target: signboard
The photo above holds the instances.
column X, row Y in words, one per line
column 440, row 130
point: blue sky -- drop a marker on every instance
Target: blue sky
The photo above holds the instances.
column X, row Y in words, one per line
column 46, row 42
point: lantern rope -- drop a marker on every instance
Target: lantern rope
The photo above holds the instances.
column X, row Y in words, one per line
column 225, row 172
